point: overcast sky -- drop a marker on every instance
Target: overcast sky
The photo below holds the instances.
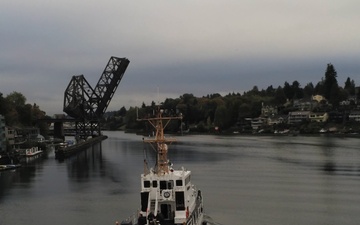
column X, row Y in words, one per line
column 199, row 46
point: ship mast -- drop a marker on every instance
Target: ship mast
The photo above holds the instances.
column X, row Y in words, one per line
column 160, row 143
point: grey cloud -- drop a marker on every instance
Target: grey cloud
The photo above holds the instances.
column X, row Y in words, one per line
column 199, row 47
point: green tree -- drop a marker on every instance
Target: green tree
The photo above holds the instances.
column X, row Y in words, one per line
column 15, row 112
column 131, row 118
column 187, row 98
column 244, row 111
column 222, row 117
column 331, row 87
column 171, row 104
column 309, row 90
column 254, row 91
column 25, row 114
column 297, row 90
column 16, row 99
column 3, row 105
column 350, row 86
column 270, row 91
column 122, row 111
column 288, row 91
column 280, row 97
column 320, row 88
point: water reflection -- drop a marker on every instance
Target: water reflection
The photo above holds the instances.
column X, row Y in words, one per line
column 23, row 176
column 86, row 164
column 326, row 154
column 263, row 180
column 327, row 149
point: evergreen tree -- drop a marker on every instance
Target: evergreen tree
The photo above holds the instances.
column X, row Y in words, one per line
column 280, row 97
column 122, row 111
column 3, row 106
column 320, row 88
column 309, row 90
column 270, row 91
column 222, row 117
column 298, row 92
column 350, row 86
column 331, row 87
column 288, row 91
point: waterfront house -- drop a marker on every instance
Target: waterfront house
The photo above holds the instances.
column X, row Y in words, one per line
column 256, row 123
column 354, row 116
column 277, row 119
column 318, row 116
column 10, row 135
column 267, row 111
column 298, row 116
column 336, row 117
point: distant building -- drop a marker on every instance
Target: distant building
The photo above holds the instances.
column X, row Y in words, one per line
column 255, row 123
column 10, row 135
column 351, row 100
column 304, row 105
column 336, row 117
column 318, row 98
column 277, row 119
column 298, row 116
column 318, row 117
column 27, row 133
column 2, row 134
column 354, row 116
column 267, row 111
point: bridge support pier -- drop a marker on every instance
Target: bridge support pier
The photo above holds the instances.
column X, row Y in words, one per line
column 59, row 130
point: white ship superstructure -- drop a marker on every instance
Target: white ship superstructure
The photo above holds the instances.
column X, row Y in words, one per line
column 168, row 196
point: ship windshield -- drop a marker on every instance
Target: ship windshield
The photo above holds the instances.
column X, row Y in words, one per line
column 179, row 183
column 166, row 184
column 146, row 184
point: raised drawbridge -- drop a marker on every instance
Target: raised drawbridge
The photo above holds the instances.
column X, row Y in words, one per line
column 87, row 105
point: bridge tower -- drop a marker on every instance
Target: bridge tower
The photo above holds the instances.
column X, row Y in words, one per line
column 87, row 105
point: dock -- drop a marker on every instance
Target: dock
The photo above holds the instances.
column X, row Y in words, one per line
column 65, row 152
column 9, row 167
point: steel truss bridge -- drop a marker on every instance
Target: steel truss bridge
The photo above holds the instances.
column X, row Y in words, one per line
column 87, row 105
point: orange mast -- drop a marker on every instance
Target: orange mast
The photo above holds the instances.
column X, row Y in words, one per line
column 160, row 143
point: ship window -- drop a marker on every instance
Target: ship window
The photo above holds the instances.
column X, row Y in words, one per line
column 179, row 183
column 166, row 184
column 154, row 183
column 180, row 200
column 146, row 184
column 163, row 184
column 187, row 180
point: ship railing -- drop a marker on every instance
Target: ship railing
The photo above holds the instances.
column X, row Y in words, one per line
column 152, row 204
column 133, row 219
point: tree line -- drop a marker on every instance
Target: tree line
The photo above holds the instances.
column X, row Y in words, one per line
column 199, row 113
column 18, row 113
column 204, row 113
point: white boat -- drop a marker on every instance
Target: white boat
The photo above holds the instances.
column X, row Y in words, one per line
column 9, row 167
column 33, row 151
column 168, row 196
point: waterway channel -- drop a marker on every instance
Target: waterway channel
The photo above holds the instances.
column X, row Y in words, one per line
column 244, row 180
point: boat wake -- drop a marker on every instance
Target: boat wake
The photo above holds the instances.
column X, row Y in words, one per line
column 210, row 220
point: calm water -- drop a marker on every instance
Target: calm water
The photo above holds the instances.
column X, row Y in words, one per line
column 244, row 180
